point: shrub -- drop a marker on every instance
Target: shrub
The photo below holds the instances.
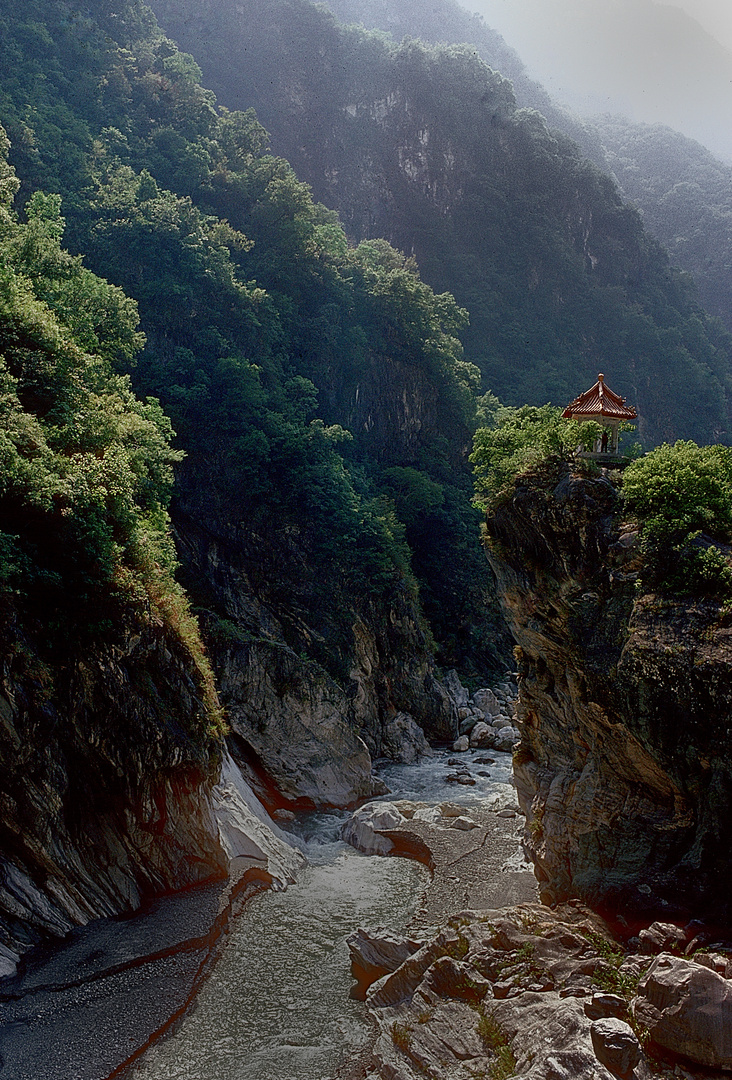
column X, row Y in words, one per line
column 682, row 495
column 521, row 440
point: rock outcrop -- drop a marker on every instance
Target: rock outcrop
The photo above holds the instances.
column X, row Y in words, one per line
column 112, row 788
column 687, row 1008
column 312, row 690
column 625, row 708
column 506, row 992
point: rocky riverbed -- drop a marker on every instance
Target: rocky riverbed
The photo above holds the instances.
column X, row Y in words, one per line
column 489, row 983
column 546, row 995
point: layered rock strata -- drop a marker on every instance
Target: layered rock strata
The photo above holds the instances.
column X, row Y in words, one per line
column 112, row 789
column 625, row 708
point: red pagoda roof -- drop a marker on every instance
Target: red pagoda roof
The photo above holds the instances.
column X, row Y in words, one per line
column 599, row 401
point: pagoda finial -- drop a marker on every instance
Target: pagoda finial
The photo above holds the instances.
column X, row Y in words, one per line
column 601, row 377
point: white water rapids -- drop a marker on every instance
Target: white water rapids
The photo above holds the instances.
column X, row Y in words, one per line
column 276, row 1006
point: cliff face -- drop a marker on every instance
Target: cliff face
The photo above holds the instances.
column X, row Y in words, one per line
column 625, row 702
column 105, row 785
column 310, row 727
column 110, row 786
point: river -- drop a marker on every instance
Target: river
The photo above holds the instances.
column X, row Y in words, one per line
column 276, row 1006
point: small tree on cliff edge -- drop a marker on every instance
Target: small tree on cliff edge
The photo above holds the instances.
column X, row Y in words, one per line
column 520, row 440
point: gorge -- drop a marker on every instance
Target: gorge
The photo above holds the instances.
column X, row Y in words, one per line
column 241, row 564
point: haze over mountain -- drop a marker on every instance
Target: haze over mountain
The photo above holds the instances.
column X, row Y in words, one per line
column 714, row 15
column 652, row 62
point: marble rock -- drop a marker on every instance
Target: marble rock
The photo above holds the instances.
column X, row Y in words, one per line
column 246, row 831
column 507, row 738
column 455, row 689
column 403, row 740
column 661, row 936
column 687, row 1009
column 487, row 702
column 615, row 1045
column 375, row 953
column 482, row 737
column 603, row 1005
column 465, row 824
column 363, row 828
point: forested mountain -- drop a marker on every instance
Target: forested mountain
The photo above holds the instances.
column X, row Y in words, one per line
column 427, row 147
column 682, row 190
column 446, row 22
column 685, row 196
column 319, row 391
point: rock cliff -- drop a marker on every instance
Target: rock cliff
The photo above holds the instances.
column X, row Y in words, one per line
column 624, row 708
column 311, row 677
column 112, row 789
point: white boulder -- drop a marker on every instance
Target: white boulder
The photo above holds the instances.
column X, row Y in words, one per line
column 687, row 1008
column 363, row 829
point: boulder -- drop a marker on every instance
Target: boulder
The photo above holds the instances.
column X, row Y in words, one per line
column 455, row 689
column 375, row 953
column 687, row 1008
column 716, row 962
column 603, row 1005
column 616, row 1045
column 487, row 702
column 363, row 828
column 468, row 723
column 403, row 740
column 482, row 737
column 463, row 823
column 659, row 937
column 506, row 738
column 461, row 745
column 501, row 721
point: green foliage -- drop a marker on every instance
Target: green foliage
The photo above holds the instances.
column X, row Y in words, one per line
column 413, row 492
column 682, row 495
column 608, row 976
column 86, row 468
column 401, row 1036
column 426, row 146
column 503, row 1064
column 521, row 440
column 262, row 324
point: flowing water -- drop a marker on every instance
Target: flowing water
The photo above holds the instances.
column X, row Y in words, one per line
column 276, row 1006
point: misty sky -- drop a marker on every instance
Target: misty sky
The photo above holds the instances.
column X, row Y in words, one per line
column 660, row 62
column 714, row 15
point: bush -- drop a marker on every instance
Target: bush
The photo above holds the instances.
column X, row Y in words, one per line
column 682, row 495
column 520, row 440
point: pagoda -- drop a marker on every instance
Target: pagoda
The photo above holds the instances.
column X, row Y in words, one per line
column 608, row 409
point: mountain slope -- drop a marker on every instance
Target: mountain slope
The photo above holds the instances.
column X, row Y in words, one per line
column 681, row 190
column 685, row 196
column 427, row 147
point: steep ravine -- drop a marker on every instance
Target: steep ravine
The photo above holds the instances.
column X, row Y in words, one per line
column 625, row 698
column 313, row 676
